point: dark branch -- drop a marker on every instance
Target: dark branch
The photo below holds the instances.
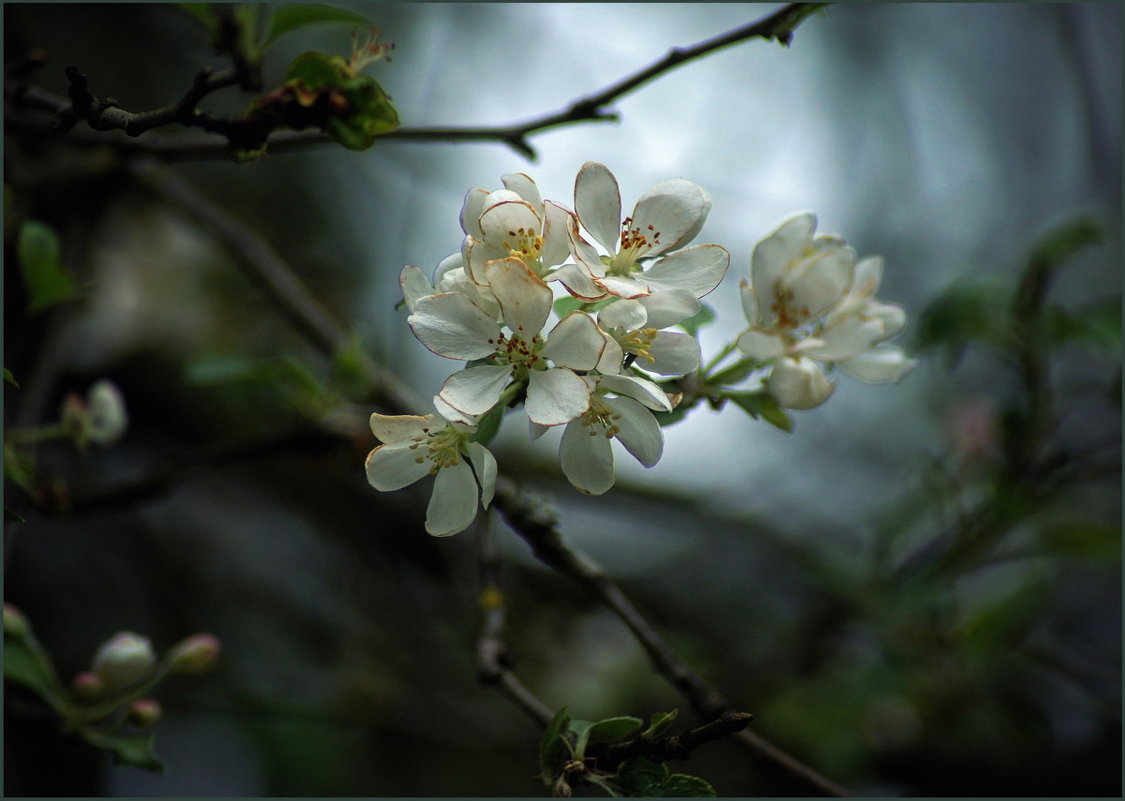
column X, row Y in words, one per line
column 669, row 748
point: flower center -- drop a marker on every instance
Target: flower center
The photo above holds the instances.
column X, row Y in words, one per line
column 635, row 243
column 443, row 447
column 521, row 354
column 639, row 342
column 527, row 245
column 600, row 415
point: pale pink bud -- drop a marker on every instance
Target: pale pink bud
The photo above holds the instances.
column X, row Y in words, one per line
column 124, row 660
column 87, row 686
column 196, row 654
column 144, row 712
column 15, row 622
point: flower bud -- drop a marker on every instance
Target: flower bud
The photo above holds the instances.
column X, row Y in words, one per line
column 87, row 687
column 799, row 383
column 124, row 660
column 106, row 418
column 144, row 712
column 15, row 622
column 197, row 654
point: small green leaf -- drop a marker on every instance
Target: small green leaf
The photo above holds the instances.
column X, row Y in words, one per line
column 659, row 724
column 553, row 746
column 640, row 776
column 288, row 17
column 760, row 404
column 680, row 785
column 47, row 281
column 127, row 749
column 1097, row 325
column 964, row 314
column 25, row 662
column 315, row 70
column 10, row 379
column 612, row 729
column 1082, row 540
column 1062, row 242
column 19, row 466
column 1006, row 621
column 703, row 317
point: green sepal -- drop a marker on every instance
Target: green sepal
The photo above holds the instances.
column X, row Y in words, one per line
column 288, row 17
column 760, row 404
column 127, row 749
column 44, row 276
column 488, row 425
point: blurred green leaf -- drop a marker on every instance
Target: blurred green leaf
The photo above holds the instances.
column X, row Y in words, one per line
column 680, row 785
column 1082, row 539
column 735, row 373
column 46, row 279
column 964, row 314
column 10, row 379
column 315, row 70
column 19, row 466
column 659, row 724
column 1097, row 325
column 553, row 746
column 674, row 416
column 703, row 317
column 760, row 404
column 610, row 730
column 289, row 17
column 127, row 749
column 12, row 516
column 1061, row 243
column 26, row 663
column 640, row 776
column 1006, row 621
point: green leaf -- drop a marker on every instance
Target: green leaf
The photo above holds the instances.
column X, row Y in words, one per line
column 315, row 70
column 610, row 730
column 734, row 374
column 288, row 17
column 964, row 314
column 1062, row 242
column 703, row 317
column 1082, row 540
column 1097, row 325
column 659, row 724
column 488, row 425
column 1004, row 622
column 640, row 776
column 680, row 785
column 19, row 466
column 553, row 746
column 10, row 379
column 127, row 749
column 25, row 662
column 46, row 279
column 672, row 417
column 760, row 404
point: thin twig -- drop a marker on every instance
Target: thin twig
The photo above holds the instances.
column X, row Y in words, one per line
column 778, row 26
column 493, row 665
column 537, row 526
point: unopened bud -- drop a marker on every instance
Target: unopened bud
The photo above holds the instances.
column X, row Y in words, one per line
column 15, row 622
column 144, row 712
column 197, row 654
column 124, row 660
column 87, row 687
column 106, row 418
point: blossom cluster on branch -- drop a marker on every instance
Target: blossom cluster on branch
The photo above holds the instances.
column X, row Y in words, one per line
column 608, row 368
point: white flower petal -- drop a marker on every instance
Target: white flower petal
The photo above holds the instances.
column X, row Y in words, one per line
column 505, row 222
column 523, row 185
column 799, row 383
column 670, row 214
column 586, row 458
column 525, row 301
column 392, row 467
column 627, row 314
column 451, row 325
column 578, row 282
column 848, row 338
column 556, row 396
column 773, row 254
column 639, row 432
column 760, row 345
column 818, row 283
column 453, row 504
column 471, row 209
column 639, row 389
column 475, row 390
column 575, row 342
column 698, row 269
column 882, row 365
column 749, row 299
column 674, row 353
column 612, row 356
column 597, row 200
column 557, row 221
column 395, row 428
column 414, row 285
column 669, row 307
column 624, row 287
column 447, row 412
column 586, row 254
column 484, row 465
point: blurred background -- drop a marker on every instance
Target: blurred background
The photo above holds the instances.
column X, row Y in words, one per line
column 917, row 591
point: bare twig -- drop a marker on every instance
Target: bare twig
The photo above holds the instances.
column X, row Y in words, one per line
column 493, row 666
column 777, row 26
column 538, row 527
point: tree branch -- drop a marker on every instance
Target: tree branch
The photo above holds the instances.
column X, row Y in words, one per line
column 538, row 527
column 778, row 26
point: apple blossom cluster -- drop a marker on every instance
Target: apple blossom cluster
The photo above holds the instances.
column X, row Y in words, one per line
column 608, row 363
